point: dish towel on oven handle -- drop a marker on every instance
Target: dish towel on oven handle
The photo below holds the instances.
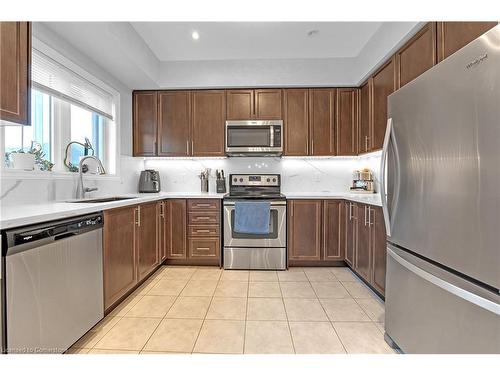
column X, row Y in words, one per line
column 252, row 217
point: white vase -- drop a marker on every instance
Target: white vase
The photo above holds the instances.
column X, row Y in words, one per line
column 23, row 161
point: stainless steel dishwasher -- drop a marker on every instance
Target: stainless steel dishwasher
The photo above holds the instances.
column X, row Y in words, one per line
column 53, row 284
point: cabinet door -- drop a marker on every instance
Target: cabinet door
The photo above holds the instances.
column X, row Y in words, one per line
column 147, row 239
column 268, row 104
column 240, row 104
column 119, row 260
column 351, row 210
column 296, row 124
column 163, row 230
column 174, row 123
column 379, row 248
column 304, row 235
column 15, row 69
column 145, row 122
column 417, row 55
column 383, row 86
column 209, row 115
column 365, row 119
column 176, row 212
column 347, row 122
column 333, row 230
column 452, row 36
column 322, row 121
column 362, row 263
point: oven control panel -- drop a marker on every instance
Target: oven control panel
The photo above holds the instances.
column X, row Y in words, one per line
column 255, row 180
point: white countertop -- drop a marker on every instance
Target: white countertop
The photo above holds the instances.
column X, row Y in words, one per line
column 373, row 199
column 20, row 215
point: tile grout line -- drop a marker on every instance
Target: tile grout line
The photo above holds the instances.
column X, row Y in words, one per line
column 161, row 320
column 206, row 313
column 286, row 314
column 246, row 315
column 329, row 320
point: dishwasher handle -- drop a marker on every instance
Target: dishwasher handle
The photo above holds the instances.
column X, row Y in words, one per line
column 26, row 238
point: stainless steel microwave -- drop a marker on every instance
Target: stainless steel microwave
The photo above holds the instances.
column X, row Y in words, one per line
column 259, row 138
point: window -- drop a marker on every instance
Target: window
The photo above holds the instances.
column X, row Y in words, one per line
column 67, row 106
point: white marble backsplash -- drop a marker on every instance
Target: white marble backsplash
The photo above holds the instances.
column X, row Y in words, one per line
column 16, row 189
column 299, row 175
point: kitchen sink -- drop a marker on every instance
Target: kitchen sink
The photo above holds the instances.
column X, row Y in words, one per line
column 101, row 200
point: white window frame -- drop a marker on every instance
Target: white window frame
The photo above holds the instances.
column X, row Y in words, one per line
column 112, row 156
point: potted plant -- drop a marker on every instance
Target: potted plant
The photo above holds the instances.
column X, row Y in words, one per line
column 26, row 160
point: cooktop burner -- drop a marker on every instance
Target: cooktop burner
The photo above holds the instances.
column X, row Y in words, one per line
column 255, row 186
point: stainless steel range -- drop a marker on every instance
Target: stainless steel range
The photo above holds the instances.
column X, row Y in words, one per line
column 263, row 250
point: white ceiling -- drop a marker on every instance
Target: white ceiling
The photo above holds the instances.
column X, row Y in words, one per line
column 163, row 55
column 172, row 41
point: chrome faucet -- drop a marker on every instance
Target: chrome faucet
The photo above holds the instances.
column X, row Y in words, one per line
column 83, row 168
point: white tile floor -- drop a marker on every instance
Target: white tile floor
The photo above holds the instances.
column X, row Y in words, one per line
column 209, row 310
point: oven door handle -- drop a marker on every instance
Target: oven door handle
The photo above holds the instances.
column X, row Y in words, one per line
column 273, row 203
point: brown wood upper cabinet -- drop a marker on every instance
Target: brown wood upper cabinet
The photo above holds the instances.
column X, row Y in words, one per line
column 383, row 84
column 322, row 122
column 179, row 123
column 452, row 36
column 346, row 122
column 296, row 121
column 365, row 118
column 174, row 123
column 258, row 104
column 417, row 55
column 15, row 72
column 145, row 127
column 209, row 115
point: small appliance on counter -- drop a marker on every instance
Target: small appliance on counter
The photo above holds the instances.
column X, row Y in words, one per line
column 362, row 181
column 149, row 182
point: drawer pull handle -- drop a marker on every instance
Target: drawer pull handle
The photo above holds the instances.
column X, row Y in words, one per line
column 202, row 205
column 202, row 218
column 202, row 231
column 202, row 248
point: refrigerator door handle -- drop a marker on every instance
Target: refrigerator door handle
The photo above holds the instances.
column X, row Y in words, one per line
column 383, row 183
column 453, row 289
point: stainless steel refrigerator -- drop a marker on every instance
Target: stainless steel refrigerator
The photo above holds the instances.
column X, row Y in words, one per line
column 441, row 201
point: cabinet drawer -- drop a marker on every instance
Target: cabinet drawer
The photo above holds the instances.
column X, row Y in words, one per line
column 203, row 204
column 203, row 231
column 204, row 248
column 203, row 218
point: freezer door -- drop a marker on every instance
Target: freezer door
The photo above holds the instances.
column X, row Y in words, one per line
column 444, row 162
column 428, row 310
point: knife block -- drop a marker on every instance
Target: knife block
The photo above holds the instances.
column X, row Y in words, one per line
column 220, row 185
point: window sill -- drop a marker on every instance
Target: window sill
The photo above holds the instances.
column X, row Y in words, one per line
column 13, row 174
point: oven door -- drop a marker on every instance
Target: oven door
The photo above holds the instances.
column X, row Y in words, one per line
column 277, row 228
column 253, row 137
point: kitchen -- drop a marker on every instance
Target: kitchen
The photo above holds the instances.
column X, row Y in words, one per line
column 163, row 192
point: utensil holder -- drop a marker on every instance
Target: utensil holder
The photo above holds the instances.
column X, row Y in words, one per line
column 204, row 185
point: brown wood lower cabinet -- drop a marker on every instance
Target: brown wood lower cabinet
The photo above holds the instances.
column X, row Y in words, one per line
column 365, row 243
column 194, row 231
column 351, row 227
column 131, row 251
column 315, row 231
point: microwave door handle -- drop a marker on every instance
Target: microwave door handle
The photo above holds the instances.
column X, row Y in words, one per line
column 271, row 136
